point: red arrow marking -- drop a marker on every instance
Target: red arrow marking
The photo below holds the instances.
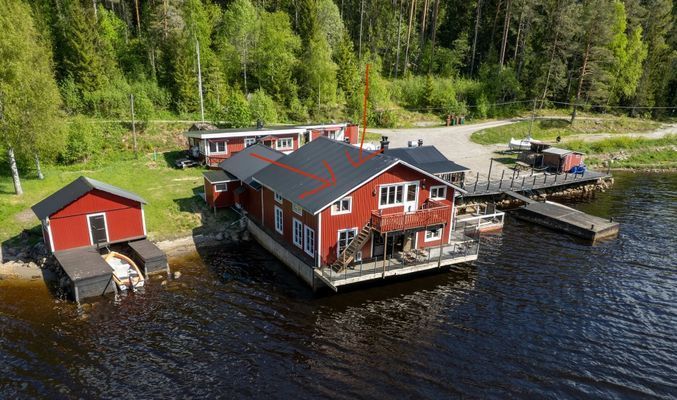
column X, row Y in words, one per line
column 362, row 160
column 325, row 183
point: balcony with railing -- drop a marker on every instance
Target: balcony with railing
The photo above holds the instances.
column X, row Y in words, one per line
column 460, row 249
column 430, row 214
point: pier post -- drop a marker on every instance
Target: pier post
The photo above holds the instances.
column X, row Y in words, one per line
column 477, row 178
column 523, row 179
column 512, row 181
column 491, row 164
column 501, row 182
column 544, row 177
column 566, row 176
column 556, row 178
column 533, row 185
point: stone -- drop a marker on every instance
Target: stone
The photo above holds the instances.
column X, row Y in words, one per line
column 177, row 274
column 219, row 236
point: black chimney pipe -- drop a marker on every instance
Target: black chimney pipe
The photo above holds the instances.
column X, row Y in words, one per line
column 384, row 143
column 259, row 124
column 420, row 142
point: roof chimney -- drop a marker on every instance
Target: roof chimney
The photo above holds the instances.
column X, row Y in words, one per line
column 420, row 142
column 384, row 143
column 259, row 124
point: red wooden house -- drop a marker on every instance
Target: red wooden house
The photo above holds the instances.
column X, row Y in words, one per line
column 87, row 212
column 561, row 160
column 386, row 216
column 215, row 145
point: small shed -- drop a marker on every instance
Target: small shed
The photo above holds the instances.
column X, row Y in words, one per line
column 561, row 160
column 219, row 188
column 87, row 212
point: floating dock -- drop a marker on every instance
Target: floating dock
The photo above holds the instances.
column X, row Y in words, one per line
column 566, row 219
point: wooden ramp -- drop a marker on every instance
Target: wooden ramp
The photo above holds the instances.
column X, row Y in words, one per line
column 519, row 196
column 566, row 219
column 89, row 274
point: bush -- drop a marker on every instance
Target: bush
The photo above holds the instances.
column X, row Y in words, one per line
column 82, row 141
column 262, row 107
column 236, row 113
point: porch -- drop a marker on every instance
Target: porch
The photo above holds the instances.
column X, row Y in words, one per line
column 432, row 213
column 461, row 249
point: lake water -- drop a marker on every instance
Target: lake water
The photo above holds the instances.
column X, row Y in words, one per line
column 539, row 315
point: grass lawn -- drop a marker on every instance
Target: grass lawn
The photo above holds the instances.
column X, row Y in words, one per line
column 630, row 152
column 549, row 129
column 173, row 209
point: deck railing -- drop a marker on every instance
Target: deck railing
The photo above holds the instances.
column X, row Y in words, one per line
column 378, row 268
column 432, row 213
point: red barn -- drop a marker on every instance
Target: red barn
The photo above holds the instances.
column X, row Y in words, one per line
column 561, row 160
column 379, row 218
column 87, row 212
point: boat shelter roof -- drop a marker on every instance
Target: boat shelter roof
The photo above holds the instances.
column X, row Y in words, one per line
column 558, row 151
column 83, row 263
column 218, row 176
column 243, row 165
column 73, row 191
column 427, row 158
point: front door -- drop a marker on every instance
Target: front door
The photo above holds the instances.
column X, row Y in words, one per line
column 97, row 228
column 410, row 197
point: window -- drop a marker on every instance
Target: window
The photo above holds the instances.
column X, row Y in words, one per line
column 298, row 233
column 309, row 243
column 278, row 220
column 249, row 142
column 344, row 238
column 297, row 209
column 433, row 234
column 284, row 143
column 217, row 147
column 438, row 192
column 278, row 198
column 390, row 195
column 221, row 187
column 343, row 206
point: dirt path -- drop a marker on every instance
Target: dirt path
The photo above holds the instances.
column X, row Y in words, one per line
column 454, row 142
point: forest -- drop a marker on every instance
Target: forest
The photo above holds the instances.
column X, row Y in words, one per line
column 66, row 63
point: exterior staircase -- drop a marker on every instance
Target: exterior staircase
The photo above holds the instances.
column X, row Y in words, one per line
column 348, row 254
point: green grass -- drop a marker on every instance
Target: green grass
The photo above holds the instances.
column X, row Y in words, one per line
column 173, row 209
column 619, row 143
column 630, row 152
column 549, row 129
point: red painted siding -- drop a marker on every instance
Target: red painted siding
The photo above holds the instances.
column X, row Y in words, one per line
column 287, row 218
column 365, row 199
column 236, row 144
column 250, row 201
column 69, row 227
column 220, row 199
column 352, row 133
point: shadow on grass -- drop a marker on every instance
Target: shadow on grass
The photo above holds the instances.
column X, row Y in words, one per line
column 171, row 157
column 553, row 124
column 506, row 160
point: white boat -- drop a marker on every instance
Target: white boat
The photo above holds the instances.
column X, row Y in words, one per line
column 520, row 144
column 125, row 272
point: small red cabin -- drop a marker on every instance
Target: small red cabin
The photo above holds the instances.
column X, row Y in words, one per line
column 87, row 212
column 561, row 160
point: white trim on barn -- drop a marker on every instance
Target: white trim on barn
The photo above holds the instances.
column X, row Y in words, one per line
column 49, row 233
column 143, row 221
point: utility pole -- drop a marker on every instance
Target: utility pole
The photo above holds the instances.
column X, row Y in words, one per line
column 399, row 35
column 359, row 53
column 199, row 81
column 136, row 154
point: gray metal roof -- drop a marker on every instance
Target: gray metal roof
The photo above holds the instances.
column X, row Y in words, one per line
column 218, row 176
column 243, row 166
column 557, row 151
column 427, row 158
column 73, row 191
column 83, row 263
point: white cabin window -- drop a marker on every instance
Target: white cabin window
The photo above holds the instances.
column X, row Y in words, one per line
column 297, row 209
column 390, row 195
column 220, row 187
column 438, row 192
column 309, row 242
column 298, row 233
column 217, row 147
column 284, row 143
column 278, row 198
column 343, row 206
column 433, row 234
column 345, row 236
column 278, row 220
column 249, row 142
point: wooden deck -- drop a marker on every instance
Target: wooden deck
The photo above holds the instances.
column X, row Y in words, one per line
column 525, row 182
column 566, row 219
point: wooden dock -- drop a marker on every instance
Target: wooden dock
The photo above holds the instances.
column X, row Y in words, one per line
column 566, row 219
column 526, row 182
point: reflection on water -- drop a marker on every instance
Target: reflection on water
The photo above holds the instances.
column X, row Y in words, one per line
column 538, row 315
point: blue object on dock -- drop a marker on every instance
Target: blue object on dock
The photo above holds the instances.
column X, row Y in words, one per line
column 579, row 169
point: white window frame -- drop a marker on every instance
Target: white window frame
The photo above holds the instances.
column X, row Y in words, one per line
column 388, row 187
column 278, row 146
column 297, row 209
column 309, row 248
column 89, row 227
column 433, row 238
column 338, row 238
column 279, row 215
column 216, row 190
column 438, row 187
column 278, row 198
column 297, row 224
column 340, row 212
column 216, row 142
column 249, row 142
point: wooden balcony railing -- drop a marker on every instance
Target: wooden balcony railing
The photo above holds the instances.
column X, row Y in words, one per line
column 432, row 213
